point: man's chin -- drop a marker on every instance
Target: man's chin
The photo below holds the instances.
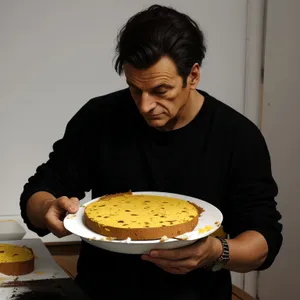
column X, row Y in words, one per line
column 156, row 123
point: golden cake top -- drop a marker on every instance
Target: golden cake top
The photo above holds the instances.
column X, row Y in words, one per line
column 13, row 253
column 140, row 211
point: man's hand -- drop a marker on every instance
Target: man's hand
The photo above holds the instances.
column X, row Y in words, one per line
column 45, row 211
column 186, row 259
column 56, row 213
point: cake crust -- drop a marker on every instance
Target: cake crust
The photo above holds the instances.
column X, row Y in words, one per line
column 143, row 233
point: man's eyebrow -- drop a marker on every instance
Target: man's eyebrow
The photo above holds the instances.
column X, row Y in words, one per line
column 131, row 84
column 163, row 85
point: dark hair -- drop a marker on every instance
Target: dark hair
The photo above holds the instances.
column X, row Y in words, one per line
column 156, row 32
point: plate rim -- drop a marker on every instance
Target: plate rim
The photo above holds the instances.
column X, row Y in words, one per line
column 150, row 242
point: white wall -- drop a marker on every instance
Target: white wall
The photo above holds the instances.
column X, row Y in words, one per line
column 281, row 127
column 56, row 55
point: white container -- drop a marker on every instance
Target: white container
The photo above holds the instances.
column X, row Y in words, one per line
column 11, row 230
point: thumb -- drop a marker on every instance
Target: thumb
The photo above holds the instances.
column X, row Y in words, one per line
column 71, row 205
column 74, row 205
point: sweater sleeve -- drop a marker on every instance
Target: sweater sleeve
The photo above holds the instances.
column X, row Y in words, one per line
column 67, row 171
column 252, row 192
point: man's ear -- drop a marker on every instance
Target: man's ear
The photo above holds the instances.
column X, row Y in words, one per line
column 194, row 77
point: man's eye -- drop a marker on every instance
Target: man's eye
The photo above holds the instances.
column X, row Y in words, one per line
column 160, row 92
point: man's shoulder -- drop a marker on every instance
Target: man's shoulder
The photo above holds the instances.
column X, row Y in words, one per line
column 108, row 106
column 227, row 116
column 110, row 100
column 115, row 107
column 230, row 123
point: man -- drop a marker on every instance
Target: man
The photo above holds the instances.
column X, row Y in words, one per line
column 162, row 134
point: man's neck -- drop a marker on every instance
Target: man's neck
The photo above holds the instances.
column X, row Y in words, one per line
column 187, row 113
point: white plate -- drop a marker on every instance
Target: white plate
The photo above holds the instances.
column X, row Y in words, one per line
column 209, row 221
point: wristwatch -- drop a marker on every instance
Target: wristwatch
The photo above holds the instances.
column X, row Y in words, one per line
column 224, row 258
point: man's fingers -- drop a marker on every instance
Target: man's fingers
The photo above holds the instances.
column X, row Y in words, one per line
column 55, row 225
column 56, row 213
column 59, row 230
column 177, row 254
column 170, row 254
column 189, row 263
column 175, row 271
column 71, row 205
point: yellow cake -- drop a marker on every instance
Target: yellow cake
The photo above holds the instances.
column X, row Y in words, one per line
column 141, row 217
column 16, row 260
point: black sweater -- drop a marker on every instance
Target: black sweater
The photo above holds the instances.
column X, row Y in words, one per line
column 220, row 157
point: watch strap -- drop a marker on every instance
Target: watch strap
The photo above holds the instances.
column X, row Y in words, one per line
column 224, row 257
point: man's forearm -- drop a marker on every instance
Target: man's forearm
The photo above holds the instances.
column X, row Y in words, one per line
column 248, row 251
column 37, row 206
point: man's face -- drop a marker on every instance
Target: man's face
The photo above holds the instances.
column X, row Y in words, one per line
column 158, row 92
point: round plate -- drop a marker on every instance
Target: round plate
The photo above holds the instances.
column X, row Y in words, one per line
column 209, row 221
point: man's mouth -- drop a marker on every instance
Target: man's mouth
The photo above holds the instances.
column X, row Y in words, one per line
column 154, row 116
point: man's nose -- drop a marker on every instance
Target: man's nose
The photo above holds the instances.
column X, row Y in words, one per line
column 147, row 103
